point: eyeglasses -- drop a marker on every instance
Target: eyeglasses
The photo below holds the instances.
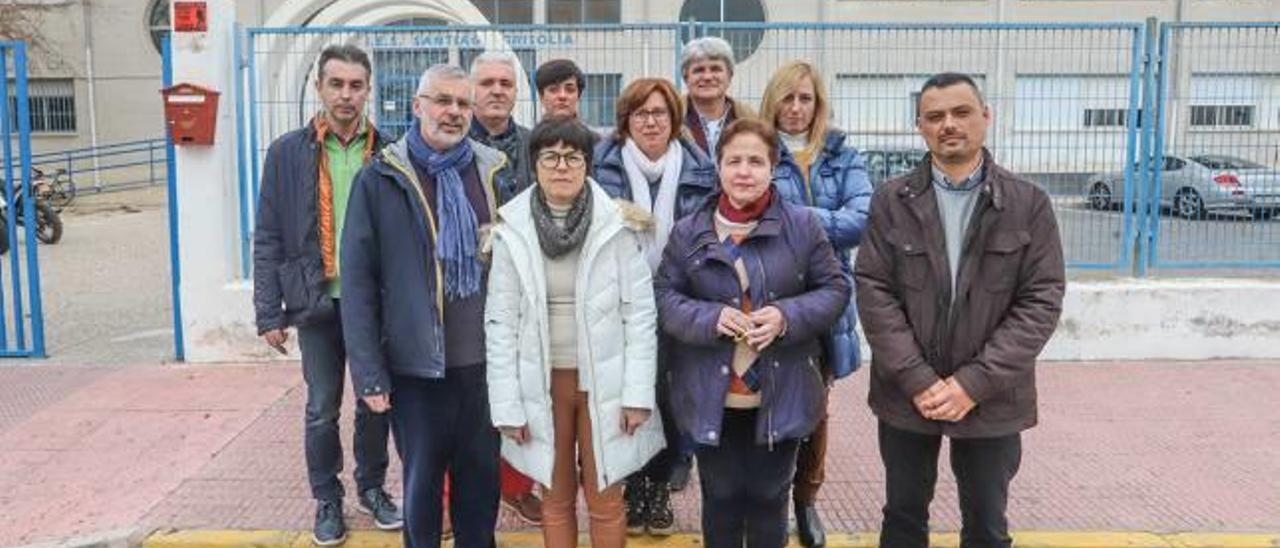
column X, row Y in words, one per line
column 551, row 160
column 445, row 101
column 657, row 116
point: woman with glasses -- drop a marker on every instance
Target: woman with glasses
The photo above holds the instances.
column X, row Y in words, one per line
column 818, row 171
column 570, row 331
column 748, row 287
column 648, row 162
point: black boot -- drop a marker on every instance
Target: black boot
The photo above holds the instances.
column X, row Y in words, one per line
column 809, row 526
column 635, row 494
column 662, row 521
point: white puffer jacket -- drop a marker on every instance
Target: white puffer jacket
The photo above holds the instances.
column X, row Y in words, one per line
column 617, row 339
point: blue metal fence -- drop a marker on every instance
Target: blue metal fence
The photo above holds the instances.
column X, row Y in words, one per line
column 22, row 320
column 1073, row 104
column 108, row 168
column 1214, row 191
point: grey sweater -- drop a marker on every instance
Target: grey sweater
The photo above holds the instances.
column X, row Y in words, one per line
column 956, row 202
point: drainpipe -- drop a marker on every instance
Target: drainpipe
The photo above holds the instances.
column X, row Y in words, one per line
column 93, row 95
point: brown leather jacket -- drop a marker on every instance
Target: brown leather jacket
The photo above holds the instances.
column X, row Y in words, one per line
column 1008, row 299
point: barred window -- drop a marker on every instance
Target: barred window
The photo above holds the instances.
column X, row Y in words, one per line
column 584, row 11
column 52, row 103
column 1222, row 115
column 598, row 108
column 506, row 12
column 1105, row 117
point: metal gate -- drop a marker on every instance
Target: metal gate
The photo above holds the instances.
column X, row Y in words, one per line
column 1214, row 194
column 1086, row 110
column 21, row 314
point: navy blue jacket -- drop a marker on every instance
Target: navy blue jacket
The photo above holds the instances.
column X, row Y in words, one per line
column 697, row 175
column 791, row 265
column 839, row 193
column 289, row 287
column 392, row 297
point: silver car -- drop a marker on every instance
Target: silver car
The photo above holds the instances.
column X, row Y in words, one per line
column 1194, row 185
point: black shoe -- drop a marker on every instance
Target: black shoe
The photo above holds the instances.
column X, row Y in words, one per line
column 809, row 526
column 635, row 495
column 329, row 530
column 377, row 503
column 662, row 521
column 680, row 473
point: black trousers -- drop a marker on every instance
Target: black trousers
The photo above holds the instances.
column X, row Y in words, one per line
column 745, row 486
column 324, row 368
column 983, row 468
column 443, row 424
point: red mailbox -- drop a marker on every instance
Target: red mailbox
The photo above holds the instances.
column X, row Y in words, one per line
column 191, row 112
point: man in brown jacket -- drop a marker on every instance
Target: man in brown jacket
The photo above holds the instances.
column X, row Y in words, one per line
column 960, row 281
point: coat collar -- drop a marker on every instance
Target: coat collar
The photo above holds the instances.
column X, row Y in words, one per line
column 920, row 181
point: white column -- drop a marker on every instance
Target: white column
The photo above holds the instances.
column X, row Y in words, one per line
column 217, row 310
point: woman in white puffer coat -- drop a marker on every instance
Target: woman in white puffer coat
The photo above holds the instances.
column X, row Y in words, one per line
column 570, row 327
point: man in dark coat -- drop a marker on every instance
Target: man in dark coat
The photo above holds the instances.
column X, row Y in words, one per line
column 960, row 282
column 306, row 181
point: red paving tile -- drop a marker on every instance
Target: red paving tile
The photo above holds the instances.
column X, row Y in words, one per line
column 1121, row 446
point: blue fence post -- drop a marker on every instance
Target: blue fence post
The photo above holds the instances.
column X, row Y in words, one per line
column 6, row 188
column 1131, row 178
column 29, row 209
column 1143, row 181
column 175, row 258
column 1159, row 83
column 242, row 177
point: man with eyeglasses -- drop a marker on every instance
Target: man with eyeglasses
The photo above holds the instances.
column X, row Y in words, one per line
column 306, row 181
column 414, row 286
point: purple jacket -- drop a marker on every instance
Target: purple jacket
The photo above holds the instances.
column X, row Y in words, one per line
column 791, row 265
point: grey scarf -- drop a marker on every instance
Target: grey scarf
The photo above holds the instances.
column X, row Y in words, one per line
column 556, row 240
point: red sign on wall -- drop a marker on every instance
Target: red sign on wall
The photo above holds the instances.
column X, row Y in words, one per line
column 190, row 17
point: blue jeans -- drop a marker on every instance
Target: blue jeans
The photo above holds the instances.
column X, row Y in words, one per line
column 324, row 360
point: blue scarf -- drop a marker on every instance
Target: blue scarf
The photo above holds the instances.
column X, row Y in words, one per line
column 456, row 245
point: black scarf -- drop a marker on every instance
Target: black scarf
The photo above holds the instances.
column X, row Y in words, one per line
column 554, row 239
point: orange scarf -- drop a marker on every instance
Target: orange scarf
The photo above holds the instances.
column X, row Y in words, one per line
column 324, row 188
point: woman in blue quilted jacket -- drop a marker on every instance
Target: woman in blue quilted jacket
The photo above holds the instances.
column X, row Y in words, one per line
column 818, row 170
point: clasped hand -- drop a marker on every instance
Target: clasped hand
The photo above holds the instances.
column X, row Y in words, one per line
column 758, row 329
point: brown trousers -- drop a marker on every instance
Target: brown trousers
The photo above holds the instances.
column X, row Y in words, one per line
column 608, row 526
column 811, row 465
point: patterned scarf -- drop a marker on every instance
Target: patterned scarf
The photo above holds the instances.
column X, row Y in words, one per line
column 324, row 191
column 554, row 239
column 456, row 244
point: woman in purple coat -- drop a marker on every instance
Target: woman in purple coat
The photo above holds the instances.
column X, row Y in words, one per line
column 748, row 286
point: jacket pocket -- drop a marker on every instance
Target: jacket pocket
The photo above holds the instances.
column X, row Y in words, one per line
column 913, row 264
column 1001, row 260
column 293, row 285
column 302, row 285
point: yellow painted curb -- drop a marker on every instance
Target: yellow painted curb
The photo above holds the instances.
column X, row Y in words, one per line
column 532, row 539
column 1202, row 540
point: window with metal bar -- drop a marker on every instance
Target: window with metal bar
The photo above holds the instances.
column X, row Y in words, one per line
column 598, row 108
column 52, row 104
column 506, row 12
column 1222, row 115
column 584, row 11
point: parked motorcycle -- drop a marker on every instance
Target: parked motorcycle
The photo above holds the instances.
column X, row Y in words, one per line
column 48, row 222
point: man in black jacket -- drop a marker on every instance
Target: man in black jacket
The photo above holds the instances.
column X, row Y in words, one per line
column 306, row 182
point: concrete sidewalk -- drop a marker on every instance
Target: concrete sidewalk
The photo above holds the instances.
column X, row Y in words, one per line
column 1137, row 454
